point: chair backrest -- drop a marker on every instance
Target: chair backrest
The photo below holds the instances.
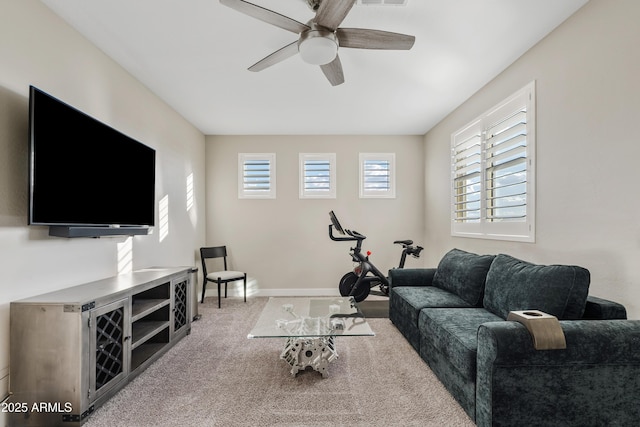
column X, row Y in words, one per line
column 213, row 252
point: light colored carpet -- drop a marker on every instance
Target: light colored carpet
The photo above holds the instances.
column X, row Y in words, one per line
column 217, row 377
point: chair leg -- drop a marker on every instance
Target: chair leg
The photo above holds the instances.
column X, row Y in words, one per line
column 204, row 288
column 245, row 287
column 225, row 288
column 218, row 294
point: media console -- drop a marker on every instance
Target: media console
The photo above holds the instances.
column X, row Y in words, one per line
column 72, row 349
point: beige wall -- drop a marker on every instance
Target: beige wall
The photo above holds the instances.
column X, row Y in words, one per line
column 38, row 48
column 586, row 75
column 284, row 243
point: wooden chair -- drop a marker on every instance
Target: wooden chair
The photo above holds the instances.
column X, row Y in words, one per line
column 224, row 276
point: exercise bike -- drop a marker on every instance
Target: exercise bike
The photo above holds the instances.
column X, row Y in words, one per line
column 365, row 276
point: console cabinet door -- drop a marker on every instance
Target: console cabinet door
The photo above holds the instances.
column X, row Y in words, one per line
column 110, row 338
column 181, row 300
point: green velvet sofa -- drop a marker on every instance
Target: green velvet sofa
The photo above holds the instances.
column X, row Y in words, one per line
column 454, row 317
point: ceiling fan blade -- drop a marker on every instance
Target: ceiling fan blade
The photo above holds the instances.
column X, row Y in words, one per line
column 266, row 15
column 331, row 13
column 277, row 56
column 333, row 72
column 360, row 38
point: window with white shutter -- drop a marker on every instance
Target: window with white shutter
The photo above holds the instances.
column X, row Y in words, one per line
column 377, row 175
column 257, row 175
column 493, row 173
column 318, row 175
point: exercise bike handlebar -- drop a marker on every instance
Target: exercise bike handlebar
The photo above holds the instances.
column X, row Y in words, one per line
column 353, row 235
column 356, row 235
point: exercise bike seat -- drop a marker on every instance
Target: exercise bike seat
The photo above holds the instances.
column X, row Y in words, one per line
column 404, row 242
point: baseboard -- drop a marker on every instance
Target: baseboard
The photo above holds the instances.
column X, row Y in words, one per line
column 306, row 292
column 253, row 289
column 236, row 291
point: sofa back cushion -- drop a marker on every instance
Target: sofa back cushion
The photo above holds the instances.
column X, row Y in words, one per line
column 463, row 274
column 513, row 284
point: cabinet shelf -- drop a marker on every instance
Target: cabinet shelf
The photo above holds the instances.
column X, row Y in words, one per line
column 143, row 331
column 142, row 307
column 152, row 345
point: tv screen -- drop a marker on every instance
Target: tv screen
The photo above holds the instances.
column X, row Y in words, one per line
column 83, row 172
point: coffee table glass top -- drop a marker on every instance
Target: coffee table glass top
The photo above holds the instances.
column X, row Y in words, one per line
column 310, row 317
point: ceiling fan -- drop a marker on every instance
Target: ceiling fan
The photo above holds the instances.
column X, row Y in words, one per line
column 319, row 39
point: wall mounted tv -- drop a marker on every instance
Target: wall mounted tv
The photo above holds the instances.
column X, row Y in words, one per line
column 86, row 179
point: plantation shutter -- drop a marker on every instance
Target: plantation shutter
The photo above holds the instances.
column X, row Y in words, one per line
column 318, row 175
column 493, row 172
column 506, row 167
column 377, row 175
column 467, row 174
column 256, row 175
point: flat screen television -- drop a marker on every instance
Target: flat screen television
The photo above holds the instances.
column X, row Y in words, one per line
column 85, row 174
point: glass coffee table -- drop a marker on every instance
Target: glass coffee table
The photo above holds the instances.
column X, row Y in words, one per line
column 309, row 327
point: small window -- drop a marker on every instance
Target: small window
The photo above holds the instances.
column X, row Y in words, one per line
column 377, row 175
column 318, row 176
column 257, row 176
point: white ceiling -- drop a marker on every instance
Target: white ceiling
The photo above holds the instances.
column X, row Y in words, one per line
column 194, row 54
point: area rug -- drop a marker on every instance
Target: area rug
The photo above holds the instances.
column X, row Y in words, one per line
column 217, row 377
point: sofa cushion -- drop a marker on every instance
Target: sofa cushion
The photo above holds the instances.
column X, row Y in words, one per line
column 513, row 284
column 411, row 277
column 410, row 300
column 464, row 274
column 405, row 304
column 454, row 333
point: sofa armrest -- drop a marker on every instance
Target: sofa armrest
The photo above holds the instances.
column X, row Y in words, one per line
column 601, row 309
column 594, row 381
column 411, row 277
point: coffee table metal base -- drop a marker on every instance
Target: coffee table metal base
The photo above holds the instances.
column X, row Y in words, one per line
column 301, row 353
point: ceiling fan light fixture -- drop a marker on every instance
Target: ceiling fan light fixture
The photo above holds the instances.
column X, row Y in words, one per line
column 318, row 47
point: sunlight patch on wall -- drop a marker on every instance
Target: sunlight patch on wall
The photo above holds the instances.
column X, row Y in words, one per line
column 125, row 256
column 163, row 213
column 189, row 192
